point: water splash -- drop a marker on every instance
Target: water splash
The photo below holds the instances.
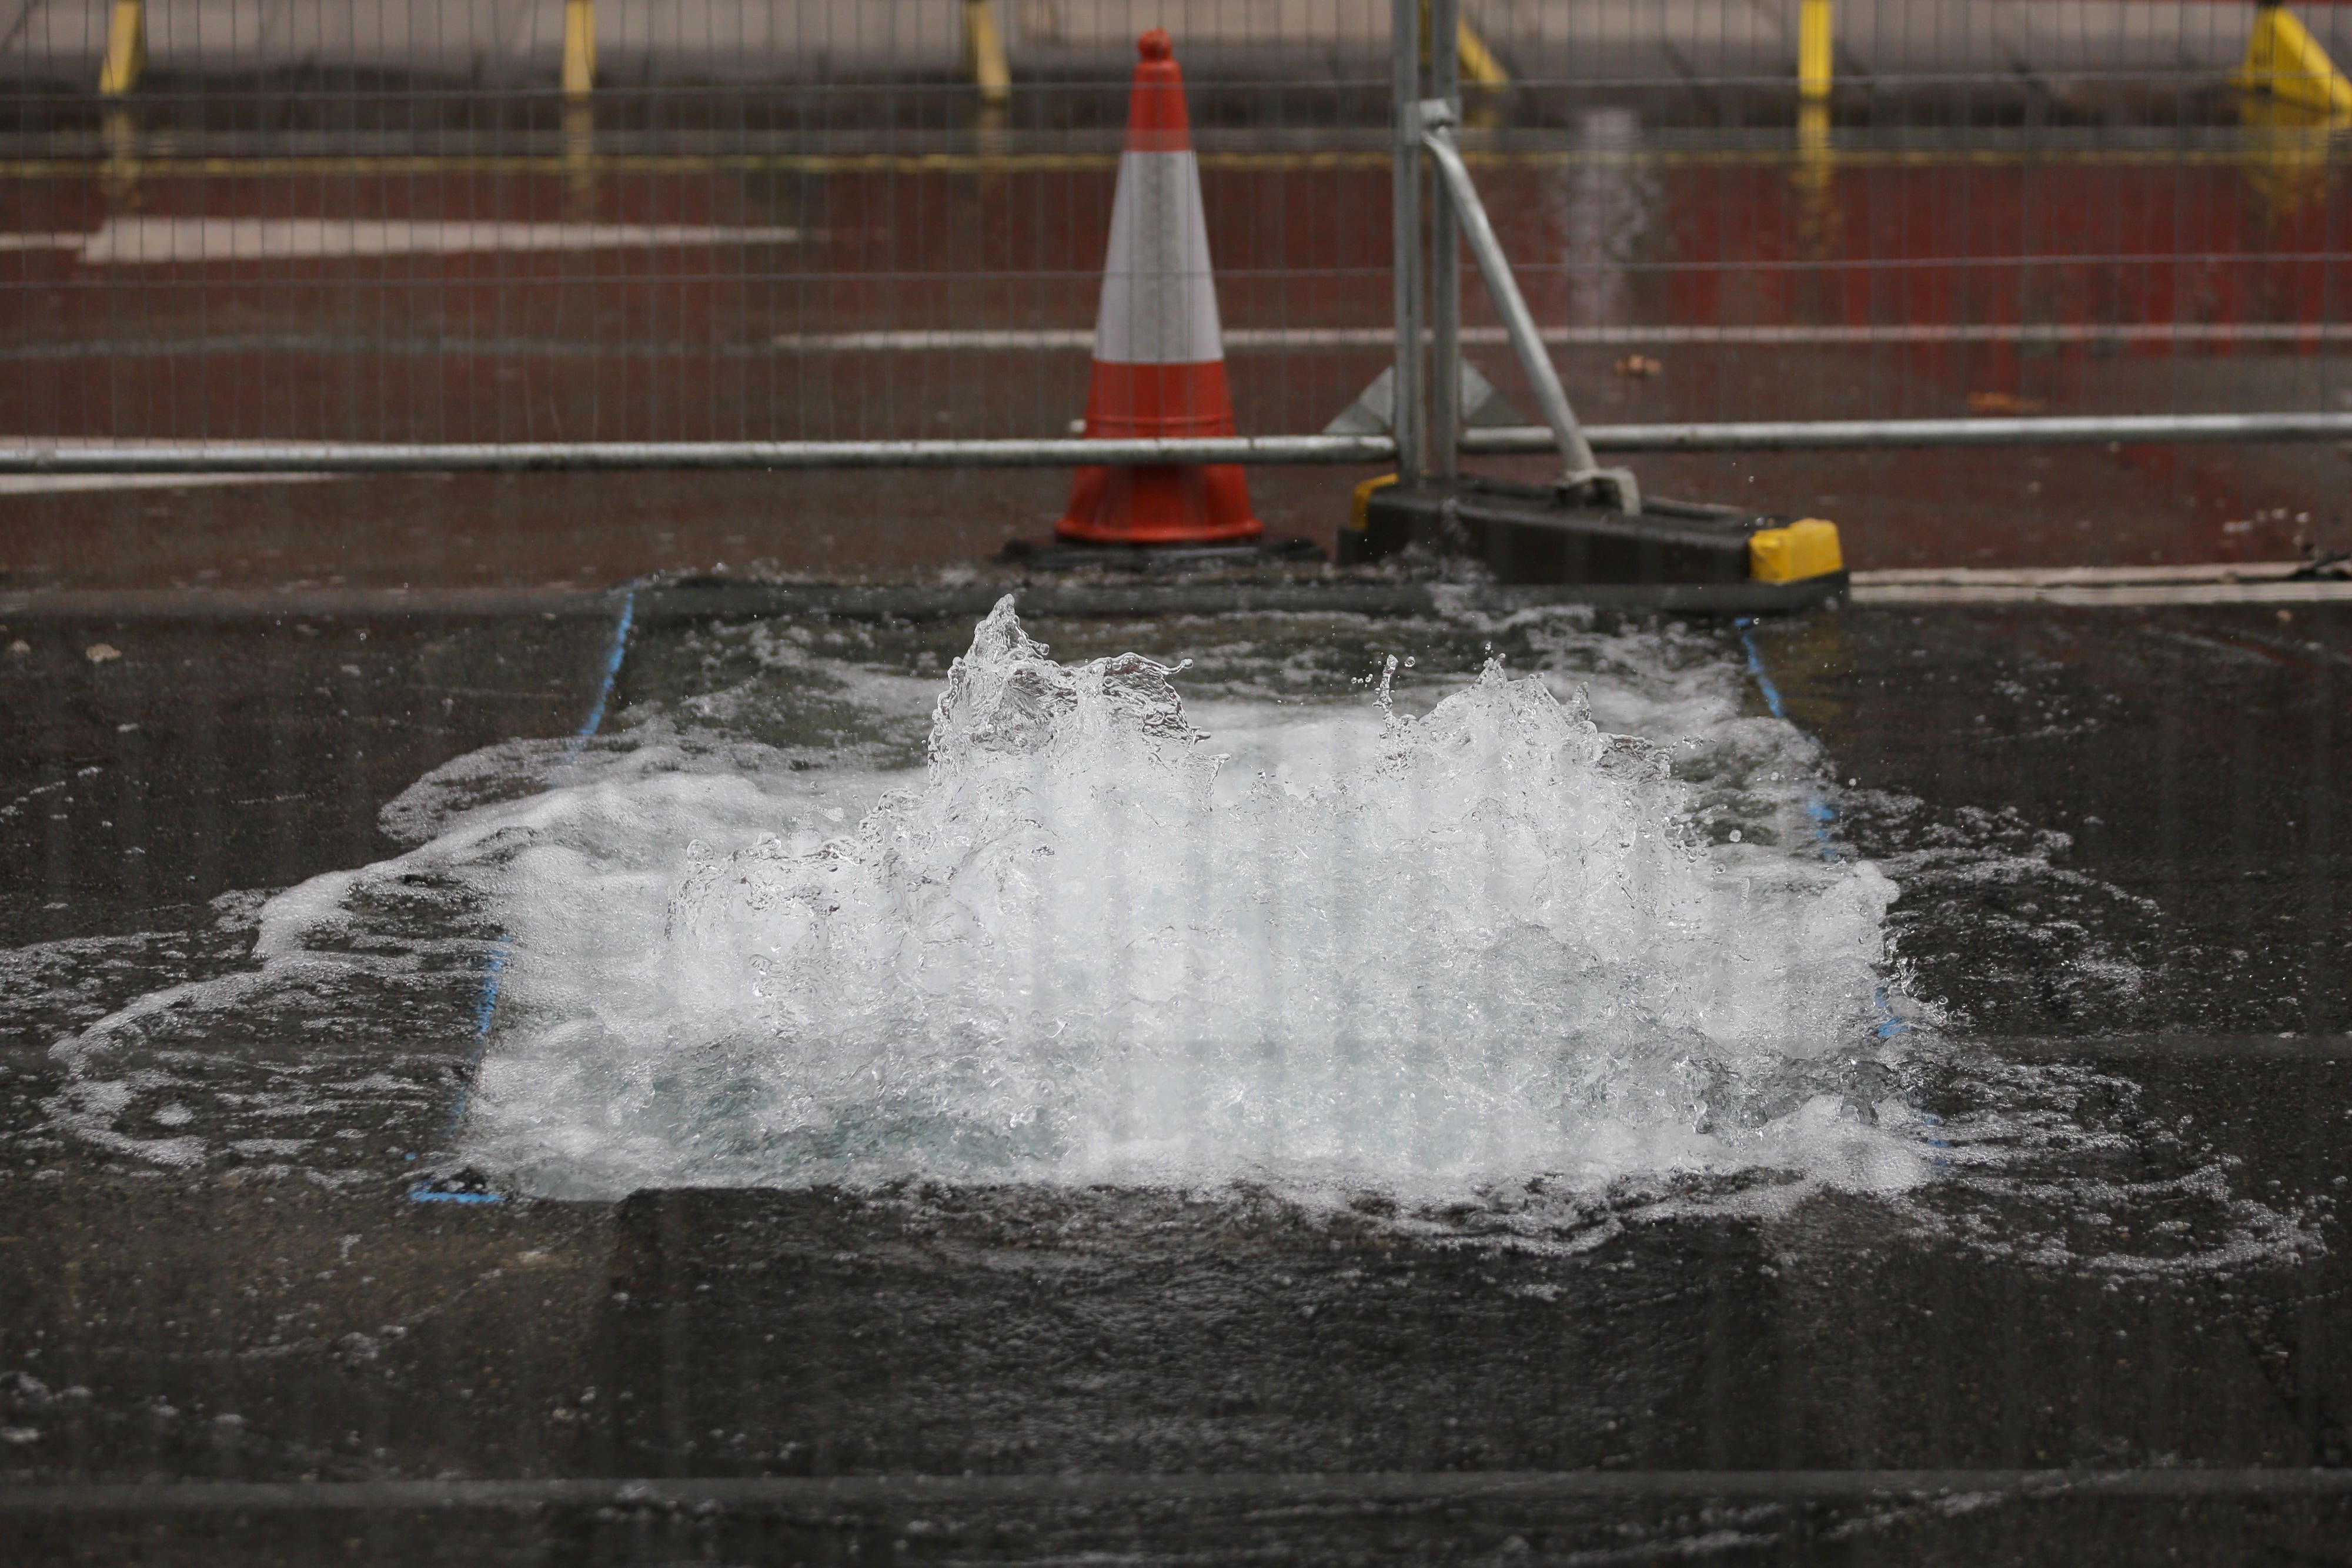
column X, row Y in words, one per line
column 1385, row 951
column 1485, row 944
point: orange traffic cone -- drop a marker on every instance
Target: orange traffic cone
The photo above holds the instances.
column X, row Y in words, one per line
column 1159, row 355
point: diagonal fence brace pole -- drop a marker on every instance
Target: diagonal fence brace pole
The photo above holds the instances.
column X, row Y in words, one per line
column 1584, row 471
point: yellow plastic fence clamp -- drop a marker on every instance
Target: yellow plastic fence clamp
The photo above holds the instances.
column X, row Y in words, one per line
column 1805, row 549
column 2285, row 62
column 126, row 48
column 1358, row 519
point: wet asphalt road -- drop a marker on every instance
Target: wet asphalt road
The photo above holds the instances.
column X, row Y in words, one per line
column 154, row 1327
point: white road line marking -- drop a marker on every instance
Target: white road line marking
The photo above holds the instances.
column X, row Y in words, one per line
column 2118, row 597
column 51, row 483
column 156, row 241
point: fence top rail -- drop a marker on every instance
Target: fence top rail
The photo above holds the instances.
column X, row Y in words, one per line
column 37, row 455
column 32, row 455
column 1804, row 435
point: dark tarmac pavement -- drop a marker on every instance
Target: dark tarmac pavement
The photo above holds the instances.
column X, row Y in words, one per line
column 1135, row 1374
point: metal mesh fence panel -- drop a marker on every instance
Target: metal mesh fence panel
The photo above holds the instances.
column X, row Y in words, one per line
column 408, row 221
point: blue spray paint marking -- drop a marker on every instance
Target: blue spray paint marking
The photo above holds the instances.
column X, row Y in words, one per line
column 486, row 1006
column 613, row 656
column 1756, row 667
column 1890, row 1022
column 1821, row 812
column 425, row 1194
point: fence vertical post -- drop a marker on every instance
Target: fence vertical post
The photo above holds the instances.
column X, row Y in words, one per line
column 1404, row 27
column 1444, row 258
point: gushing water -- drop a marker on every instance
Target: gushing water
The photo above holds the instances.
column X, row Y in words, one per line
column 1482, row 945
column 1490, row 972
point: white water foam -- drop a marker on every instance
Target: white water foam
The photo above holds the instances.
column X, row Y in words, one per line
column 1485, row 944
column 1491, row 970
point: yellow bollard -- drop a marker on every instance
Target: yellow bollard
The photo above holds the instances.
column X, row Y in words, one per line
column 2295, row 101
column 984, row 53
column 579, row 48
column 2284, row 60
column 1817, row 215
column 1476, row 65
column 1479, row 66
column 125, row 63
column 1476, row 62
column 126, row 48
column 580, row 111
column 1816, row 61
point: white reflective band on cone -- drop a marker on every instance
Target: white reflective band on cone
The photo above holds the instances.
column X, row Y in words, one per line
column 1159, row 298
